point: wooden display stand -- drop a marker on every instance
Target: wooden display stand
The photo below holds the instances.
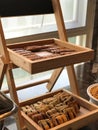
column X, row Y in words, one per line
column 6, row 63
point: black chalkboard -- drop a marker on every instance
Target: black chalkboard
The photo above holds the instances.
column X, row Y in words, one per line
column 25, row 7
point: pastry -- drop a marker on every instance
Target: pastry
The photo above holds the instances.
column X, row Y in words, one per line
column 75, row 105
column 69, row 113
column 64, row 117
column 43, row 124
column 37, row 117
column 48, row 100
column 61, row 108
column 29, row 111
column 51, row 112
column 59, row 119
column 54, row 121
column 50, row 123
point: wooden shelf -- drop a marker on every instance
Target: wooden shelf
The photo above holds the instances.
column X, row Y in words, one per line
column 88, row 112
column 71, row 54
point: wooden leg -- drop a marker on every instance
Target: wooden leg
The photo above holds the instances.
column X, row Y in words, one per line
column 14, row 96
column 54, row 78
column 3, row 68
column 72, row 79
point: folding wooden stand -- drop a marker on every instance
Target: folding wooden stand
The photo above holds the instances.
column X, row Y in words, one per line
column 6, row 65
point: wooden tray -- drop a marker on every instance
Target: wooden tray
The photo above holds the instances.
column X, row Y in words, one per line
column 51, row 54
column 88, row 113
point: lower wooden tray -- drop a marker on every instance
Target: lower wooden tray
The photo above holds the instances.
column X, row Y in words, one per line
column 88, row 113
column 47, row 54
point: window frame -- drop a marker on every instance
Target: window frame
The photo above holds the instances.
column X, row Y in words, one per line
column 71, row 32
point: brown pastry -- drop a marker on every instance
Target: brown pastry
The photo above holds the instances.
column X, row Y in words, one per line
column 33, row 57
column 48, row 100
column 51, row 112
column 43, row 124
column 69, row 113
column 64, row 117
column 74, row 104
column 42, row 108
column 61, row 108
column 44, row 115
column 37, row 117
column 59, row 119
column 50, row 123
column 28, row 110
column 33, row 48
column 54, row 121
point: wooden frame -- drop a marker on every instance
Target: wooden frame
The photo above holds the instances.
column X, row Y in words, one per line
column 32, row 66
column 7, row 64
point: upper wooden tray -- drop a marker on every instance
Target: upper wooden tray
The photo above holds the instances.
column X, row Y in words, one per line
column 47, row 54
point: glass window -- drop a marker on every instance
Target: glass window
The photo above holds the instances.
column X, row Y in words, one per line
column 74, row 12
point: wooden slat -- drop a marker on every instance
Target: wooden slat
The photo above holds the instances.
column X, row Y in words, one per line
column 28, row 85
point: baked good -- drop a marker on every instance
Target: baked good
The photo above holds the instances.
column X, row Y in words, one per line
column 59, row 119
column 41, row 108
column 69, row 112
column 43, row 124
column 61, row 108
column 50, row 123
column 37, row 117
column 75, row 105
column 64, row 117
column 33, row 48
column 29, row 111
column 48, row 100
column 32, row 57
column 51, row 112
column 54, row 121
